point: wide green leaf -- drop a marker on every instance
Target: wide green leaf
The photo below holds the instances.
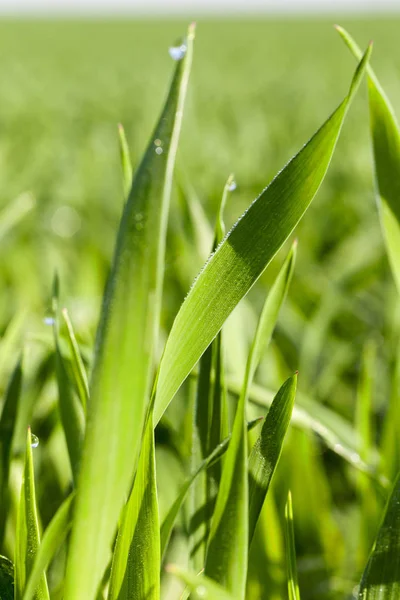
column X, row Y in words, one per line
column 135, row 572
column 6, row 579
column 28, row 538
column 381, row 578
column 124, row 357
column 267, row 449
column 55, row 534
column 385, row 133
column 246, row 251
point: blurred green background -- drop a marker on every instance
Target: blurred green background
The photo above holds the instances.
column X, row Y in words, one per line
column 259, row 89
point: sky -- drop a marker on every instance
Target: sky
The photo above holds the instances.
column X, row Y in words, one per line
column 187, row 7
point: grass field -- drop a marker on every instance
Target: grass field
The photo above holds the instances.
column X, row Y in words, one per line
column 258, row 91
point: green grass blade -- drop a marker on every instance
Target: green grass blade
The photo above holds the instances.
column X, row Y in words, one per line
column 8, row 421
column 293, row 587
column 226, row 559
column 386, row 147
column 55, row 534
column 267, row 449
column 336, row 432
column 71, row 409
column 216, row 454
column 15, row 211
column 78, row 368
column 124, row 358
column 246, row 251
column 28, row 538
column 381, row 578
column 135, row 572
column 201, row 587
column 6, row 579
column 127, row 171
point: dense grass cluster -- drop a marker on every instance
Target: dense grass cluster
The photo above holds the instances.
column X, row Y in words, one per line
column 156, row 474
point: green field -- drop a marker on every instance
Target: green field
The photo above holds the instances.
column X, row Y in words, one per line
column 258, row 91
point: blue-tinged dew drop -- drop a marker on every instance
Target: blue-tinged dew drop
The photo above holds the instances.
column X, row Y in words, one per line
column 177, row 52
column 232, row 186
column 34, row 441
column 49, row 321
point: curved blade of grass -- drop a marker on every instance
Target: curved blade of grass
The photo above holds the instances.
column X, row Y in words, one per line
column 28, row 538
column 293, row 587
column 267, row 449
column 201, row 587
column 124, row 358
column 386, row 147
column 127, row 171
column 55, row 534
column 381, row 578
column 216, row 454
column 6, row 579
column 78, row 368
column 337, row 433
column 246, row 251
column 8, row 421
column 135, row 572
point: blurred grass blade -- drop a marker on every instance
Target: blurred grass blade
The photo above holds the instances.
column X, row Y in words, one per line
column 124, row 357
column 55, row 534
column 226, row 559
column 6, row 579
column 127, row 171
column 386, row 147
column 201, row 587
column 169, row 519
column 28, row 538
column 71, row 409
column 267, row 449
column 381, row 578
column 78, row 368
column 246, row 251
column 8, row 421
column 293, row 587
column 135, row 572
column 15, row 211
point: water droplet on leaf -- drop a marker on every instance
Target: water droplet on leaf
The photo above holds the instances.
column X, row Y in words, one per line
column 49, row 321
column 177, row 52
column 34, row 441
column 159, row 150
column 232, row 186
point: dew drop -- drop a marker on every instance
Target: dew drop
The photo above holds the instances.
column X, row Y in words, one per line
column 201, row 591
column 232, row 186
column 159, row 150
column 157, row 142
column 34, row 441
column 177, row 52
column 49, row 321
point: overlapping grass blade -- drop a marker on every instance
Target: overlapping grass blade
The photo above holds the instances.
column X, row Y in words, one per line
column 381, row 578
column 385, row 133
column 77, row 366
column 135, row 572
column 127, row 171
column 71, row 408
column 53, row 537
column 6, row 579
column 124, row 357
column 267, row 449
column 201, row 587
column 216, row 454
column 28, row 538
column 246, row 251
column 210, row 426
column 293, row 587
column 7, row 427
